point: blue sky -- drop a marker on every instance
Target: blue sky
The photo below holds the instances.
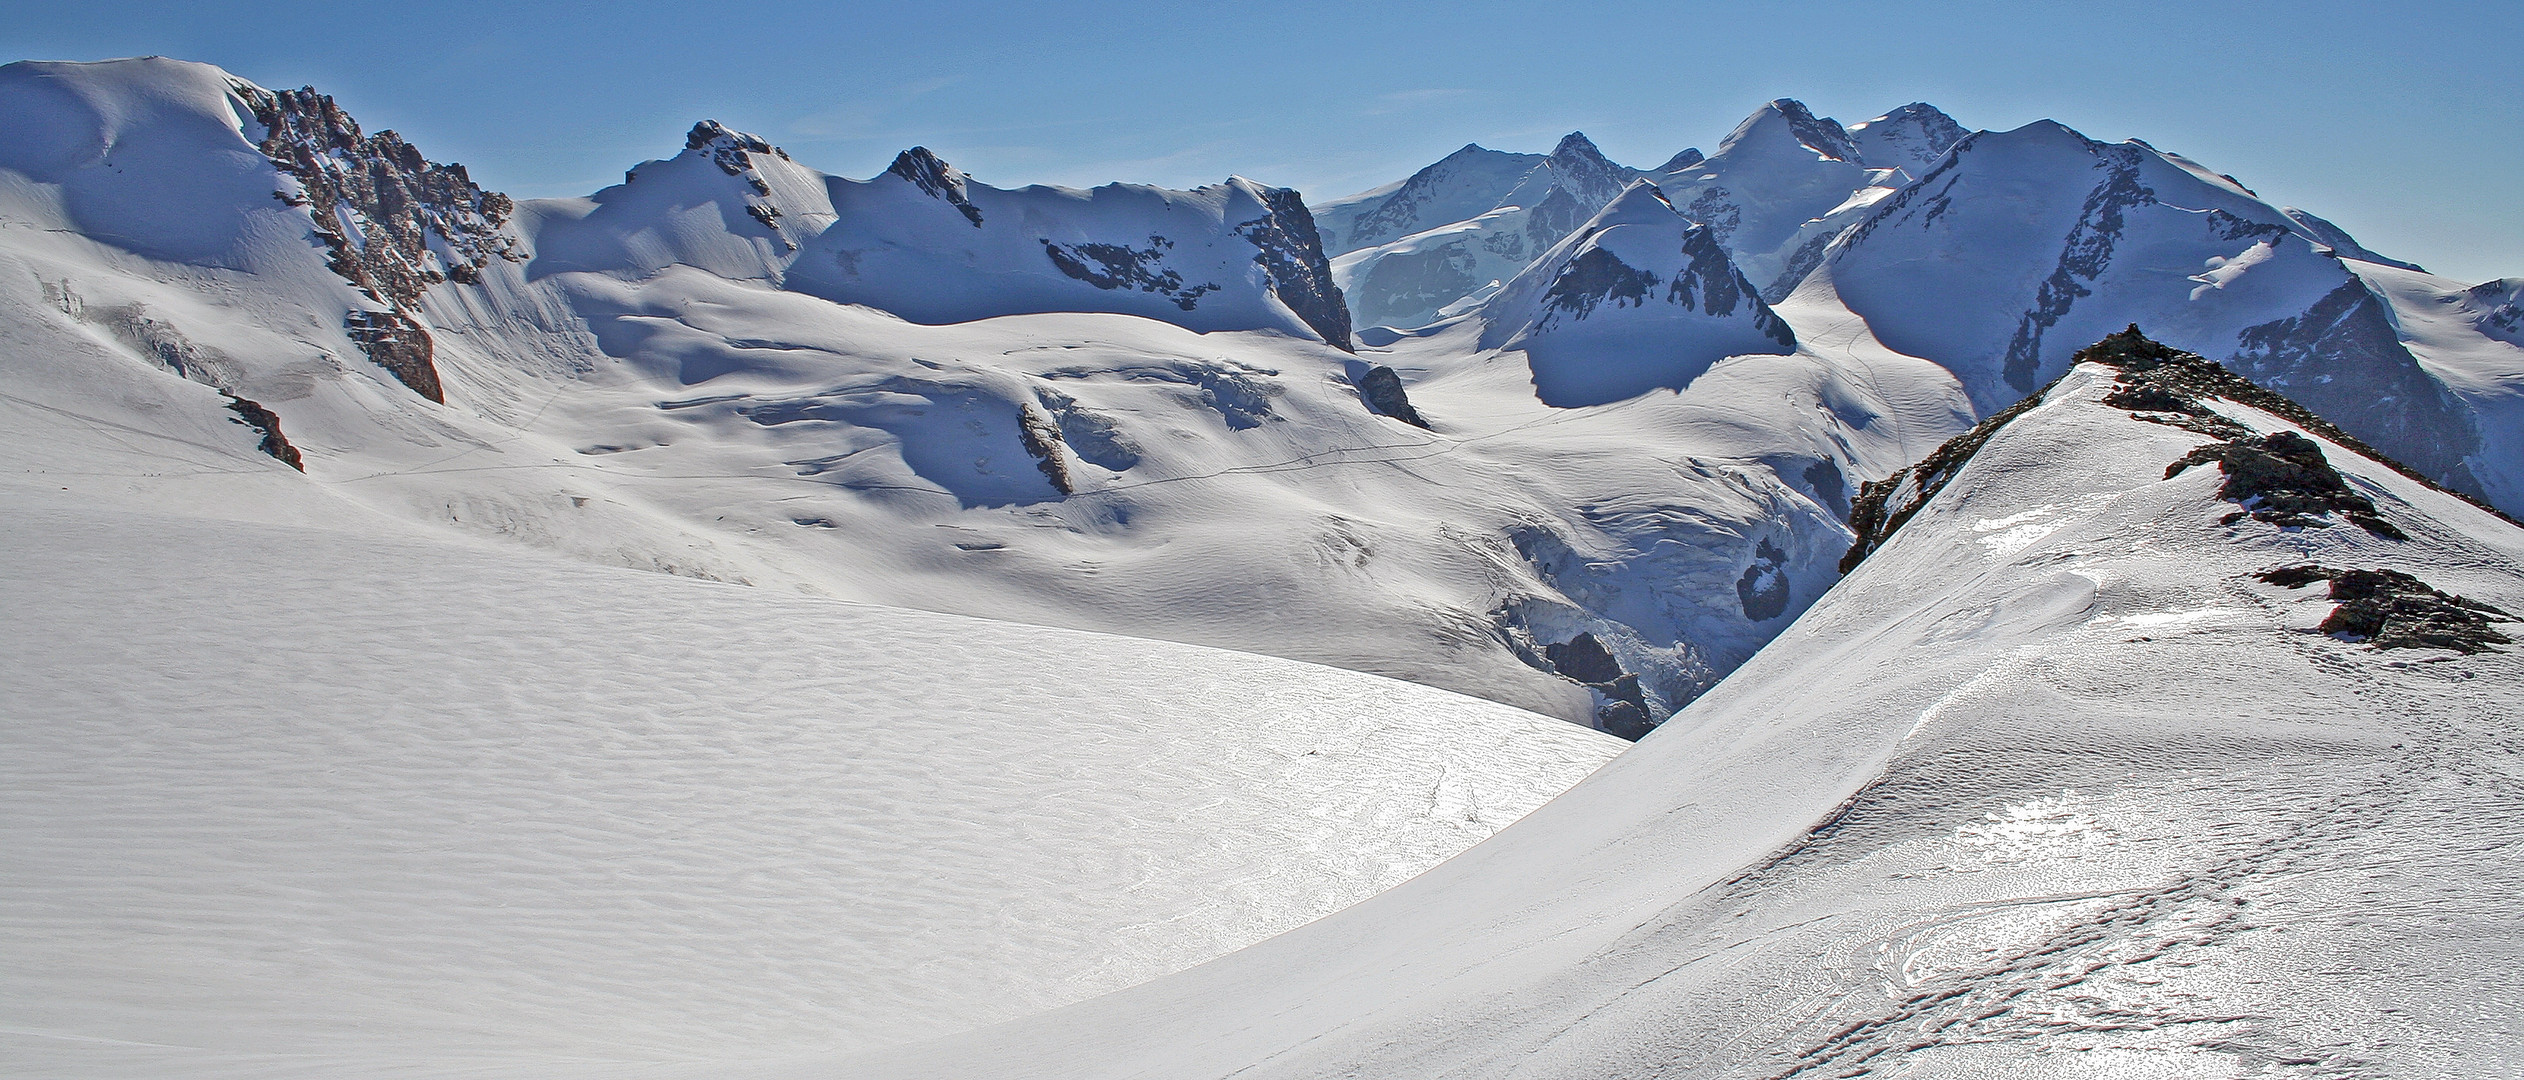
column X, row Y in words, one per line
column 2400, row 122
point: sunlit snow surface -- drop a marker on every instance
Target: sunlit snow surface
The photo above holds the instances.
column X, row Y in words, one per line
column 284, row 801
column 2092, row 803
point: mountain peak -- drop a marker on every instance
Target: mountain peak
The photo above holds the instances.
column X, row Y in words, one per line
column 1790, row 119
column 1910, row 138
column 934, row 176
column 1576, row 147
column 731, row 150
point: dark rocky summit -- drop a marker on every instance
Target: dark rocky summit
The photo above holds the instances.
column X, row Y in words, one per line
column 2393, row 610
column 937, row 179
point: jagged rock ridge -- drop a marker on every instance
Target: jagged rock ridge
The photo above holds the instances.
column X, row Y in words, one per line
column 393, row 223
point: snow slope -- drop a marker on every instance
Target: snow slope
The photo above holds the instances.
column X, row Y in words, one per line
column 354, row 800
column 2052, row 785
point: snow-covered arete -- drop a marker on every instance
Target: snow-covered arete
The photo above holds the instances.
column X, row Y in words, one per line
column 2096, row 800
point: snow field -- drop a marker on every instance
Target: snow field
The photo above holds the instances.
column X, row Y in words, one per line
column 289, row 801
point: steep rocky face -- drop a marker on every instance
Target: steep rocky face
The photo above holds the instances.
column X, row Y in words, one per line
column 1291, row 252
column 937, row 178
column 731, row 150
column 1910, row 138
column 2500, row 307
column 393, row 223
column 2342, row 359
column 2085, row 256
column 1585, row 173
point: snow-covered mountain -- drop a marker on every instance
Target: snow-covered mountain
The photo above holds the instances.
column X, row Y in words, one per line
column 2018, row 246
column 1403, row 262
column 2164, row 736
column 660, row 376
column 1636, row 299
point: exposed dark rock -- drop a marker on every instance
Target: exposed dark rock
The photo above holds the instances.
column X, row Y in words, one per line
column 1290, row 251
column 1555, row 215
column 2165, row 385
column 1594, row 277
column 2283, row 479
column 1829, row 486
column 2082, row 259
column 376, row 202
column 1584, row 659
column 399, row 345
column 2342, row 359
column 1382, row 386
column 1763, row 590
column 1120, row 267
column 1800, row 264
column 937, row 178
column 1624, row 713
column 1041, row 436
column 731, row 150
column 1623, row 706
column 252, row 414
column 1586, row 173
column 392, row 222
column 1884, row 505
column 1710, row 283
column 2393, row 610
column 1822, row 135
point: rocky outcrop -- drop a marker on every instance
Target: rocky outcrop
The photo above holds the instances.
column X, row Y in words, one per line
column 400, row 345
column 1118, row 266
column 267, row 424
column 2282, row 479
column 1041, row 436
column 2393, row 610
column 937, row 179
column 2343, row 359
column 731, row 150
column 1884, row 505
column 1291, row 252
column 393, row 223
column 1382, row 387
column 2165, row 385
column 1621, row 706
